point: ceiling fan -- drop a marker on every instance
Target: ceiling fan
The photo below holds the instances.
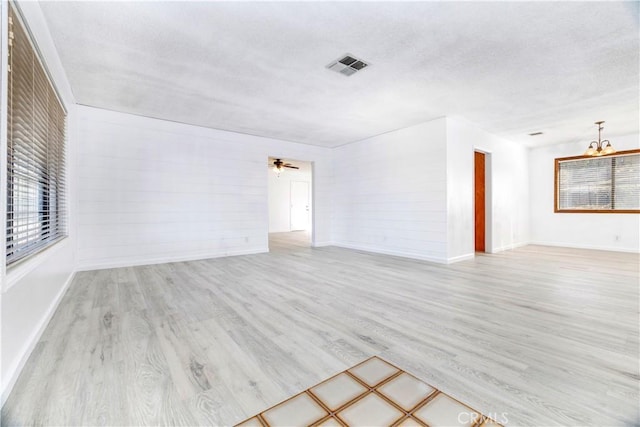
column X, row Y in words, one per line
column 279, row 165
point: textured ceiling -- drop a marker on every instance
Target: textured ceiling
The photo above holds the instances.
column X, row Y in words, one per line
column 259, row 68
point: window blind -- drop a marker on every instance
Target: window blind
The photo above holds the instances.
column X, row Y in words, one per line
column 610, row 183
column 36, row 210
column 627, row 182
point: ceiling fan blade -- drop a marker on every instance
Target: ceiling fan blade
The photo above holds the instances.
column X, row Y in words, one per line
column 291, row 167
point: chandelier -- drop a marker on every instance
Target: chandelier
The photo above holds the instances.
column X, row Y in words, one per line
column 596, row 147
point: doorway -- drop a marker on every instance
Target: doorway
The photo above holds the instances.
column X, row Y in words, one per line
column 479, row 201
column 290, row 203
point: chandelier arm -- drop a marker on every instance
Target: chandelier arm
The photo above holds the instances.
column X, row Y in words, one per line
column 601, row 146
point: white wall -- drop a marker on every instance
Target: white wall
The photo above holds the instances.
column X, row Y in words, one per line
column 390, row 193
column 508, row 204
column 583, row 230
column 280, row 195
column 32, row 290
column 154, row 191
column 411, row 192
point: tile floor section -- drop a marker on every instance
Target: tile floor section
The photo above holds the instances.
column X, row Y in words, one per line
column 373, row 393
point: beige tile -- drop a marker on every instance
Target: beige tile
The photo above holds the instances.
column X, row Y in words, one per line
column 410, row 422
column 302, row 410
column 251, row 422
column 371, row 410
column 373, row 371
column 338, row 391
column 330, row 422
column 406, row 391
column 444, row 411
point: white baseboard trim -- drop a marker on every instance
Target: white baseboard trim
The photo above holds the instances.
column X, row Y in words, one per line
column 509, row 247
column 322, row 244
column 591, row 247
column 163, row 260
column 16, row 369
column 402, row 254
column 459, row 258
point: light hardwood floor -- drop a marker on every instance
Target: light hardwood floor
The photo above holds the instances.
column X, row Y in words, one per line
column 547, row 336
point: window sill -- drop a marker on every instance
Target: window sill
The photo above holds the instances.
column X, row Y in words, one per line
column 21, row 269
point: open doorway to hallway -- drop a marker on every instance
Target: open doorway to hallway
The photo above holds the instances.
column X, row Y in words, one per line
column 290, row 203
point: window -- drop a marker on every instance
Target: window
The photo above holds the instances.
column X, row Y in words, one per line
column 608, row 184
column 36, row 211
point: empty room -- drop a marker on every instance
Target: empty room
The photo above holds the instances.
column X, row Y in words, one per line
column 267, row 214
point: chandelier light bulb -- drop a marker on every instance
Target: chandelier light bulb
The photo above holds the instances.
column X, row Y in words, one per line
column 608, row 149
column 590, row 151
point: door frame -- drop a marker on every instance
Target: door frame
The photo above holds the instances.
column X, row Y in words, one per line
column 312, row 196
column 488, row 198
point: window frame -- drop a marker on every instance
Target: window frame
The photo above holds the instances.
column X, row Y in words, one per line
column 37, row 253
column 556, row 189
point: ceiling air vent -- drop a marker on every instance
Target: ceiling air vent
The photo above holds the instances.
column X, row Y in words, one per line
column 347, row 65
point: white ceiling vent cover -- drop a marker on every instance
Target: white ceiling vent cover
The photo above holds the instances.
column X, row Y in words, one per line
column 347, row 65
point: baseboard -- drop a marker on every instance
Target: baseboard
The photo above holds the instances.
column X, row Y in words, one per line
column 163, row 260
column 322, row 244
column 459, row 258
column 402, row 254
column 14, row 371
column 590, row 247
column 509, row 247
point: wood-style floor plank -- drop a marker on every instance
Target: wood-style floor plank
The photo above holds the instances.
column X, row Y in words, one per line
column 541, row 335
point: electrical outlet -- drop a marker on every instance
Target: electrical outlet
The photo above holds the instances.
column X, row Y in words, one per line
column 246, row 240
column 617, row 237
